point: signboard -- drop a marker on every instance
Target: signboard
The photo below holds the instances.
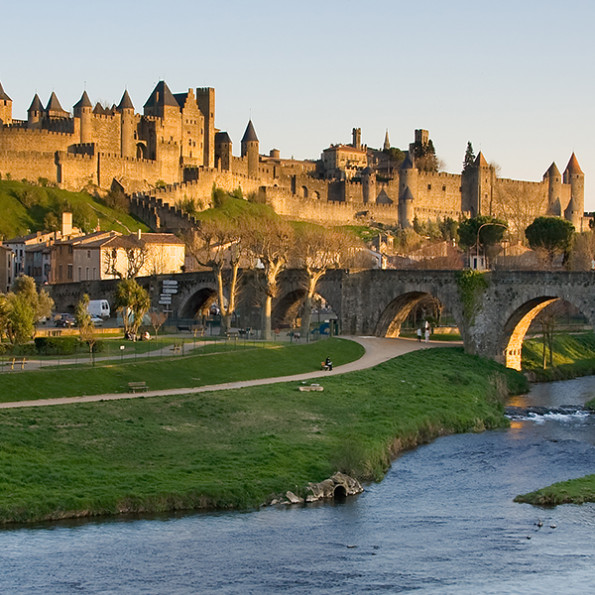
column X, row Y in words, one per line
column 170, row 282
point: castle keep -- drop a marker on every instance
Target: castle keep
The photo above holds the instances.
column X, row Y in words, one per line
column 173, row 152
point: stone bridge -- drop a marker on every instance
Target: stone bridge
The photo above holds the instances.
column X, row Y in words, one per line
column 377, row 302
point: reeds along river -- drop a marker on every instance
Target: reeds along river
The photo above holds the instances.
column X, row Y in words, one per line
column 442, row 521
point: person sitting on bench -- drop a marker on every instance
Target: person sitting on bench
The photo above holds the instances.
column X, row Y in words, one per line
column 328, row 364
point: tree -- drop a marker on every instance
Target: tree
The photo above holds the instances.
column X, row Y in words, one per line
column 469, row 157
column 318, row 249
column 425, row 156
column 220, row 244
column 23, row 308
column 270, row 242
column 126, row 259
column 489, row 230
column 553, row 234
column 85, row 324
column 133, row 302
column 157, row 320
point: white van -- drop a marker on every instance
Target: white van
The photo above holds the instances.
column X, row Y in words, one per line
column 99, row 308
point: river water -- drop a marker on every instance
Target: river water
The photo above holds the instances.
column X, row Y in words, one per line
column 442, row 521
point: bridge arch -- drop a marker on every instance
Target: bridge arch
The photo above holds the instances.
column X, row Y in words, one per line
column 197, row 301
column 398, row 310
column 287, row 307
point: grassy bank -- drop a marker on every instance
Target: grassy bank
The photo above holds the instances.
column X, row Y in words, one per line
column 574, row 355
column 236, row 449
column 573, row 491
column 197, row 369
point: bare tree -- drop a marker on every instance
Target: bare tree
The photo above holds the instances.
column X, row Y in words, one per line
column 220, row 245
column 157, row 320
column 270, row 242
column 318, row 249
column 126, row 258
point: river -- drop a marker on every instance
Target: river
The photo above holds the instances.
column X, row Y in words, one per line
column 442, row 521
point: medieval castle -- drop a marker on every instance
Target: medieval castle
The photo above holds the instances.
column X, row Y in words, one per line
column 173, row 152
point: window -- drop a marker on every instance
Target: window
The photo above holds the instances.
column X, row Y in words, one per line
column 429, row 186
column 88, row 253
column 443, row 188
column 69, row 272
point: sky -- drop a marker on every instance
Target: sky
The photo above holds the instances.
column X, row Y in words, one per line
column 513, row 77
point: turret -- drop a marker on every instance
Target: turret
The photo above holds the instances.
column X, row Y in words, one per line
column 54, row 110
column 574, row 176
column 205, row 98
column 386, row 146
column 35, row 113
column 369, row 185
column 250, row 149
column 223, row 154
column 553, row 177
column 406, row 208
column 83, row 110
column 477, row 185
column 356, row 135
column 5, row 108
column 127, row 140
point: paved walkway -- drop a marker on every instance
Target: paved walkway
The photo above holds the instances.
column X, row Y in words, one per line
column 378, row 350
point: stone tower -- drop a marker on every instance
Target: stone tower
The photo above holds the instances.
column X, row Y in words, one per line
column 35, row 113
column 408, row 181
column 5, row 107
column 477, row 187
column 356, row 135
column 574, row 176
column 127, row 140
column 554, row 190
column 369, row 185
column 223, row 154
column 205, row 98
column 250, row 149
column 83, row 109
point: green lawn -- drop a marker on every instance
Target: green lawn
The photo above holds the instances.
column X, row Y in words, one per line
column 237, row 449
column 197, row 369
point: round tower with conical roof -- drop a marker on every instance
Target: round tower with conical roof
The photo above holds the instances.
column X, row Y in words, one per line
column 573, row 175
column 369, row 185
column 35, row 113
column 250, row 146
column 553, row 177
column 83, row 110
column 5, row 107
column 127, row 125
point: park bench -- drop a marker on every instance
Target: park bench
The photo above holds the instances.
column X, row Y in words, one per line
column 176, row 348
column 325, row 366
column 184, row 327
column 18, row 360
column 137, row 386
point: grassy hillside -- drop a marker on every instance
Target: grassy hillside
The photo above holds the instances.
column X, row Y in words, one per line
column 27, row 208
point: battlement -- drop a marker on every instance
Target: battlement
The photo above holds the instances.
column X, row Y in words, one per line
column 36, row 132
column 66, row 155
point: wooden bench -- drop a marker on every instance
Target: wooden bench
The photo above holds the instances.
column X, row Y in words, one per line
column 137, row 386
column 177, row 347
column 17, row 360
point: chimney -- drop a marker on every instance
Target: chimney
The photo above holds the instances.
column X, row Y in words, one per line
column 66, row 224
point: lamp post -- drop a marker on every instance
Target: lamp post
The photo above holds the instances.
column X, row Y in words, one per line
column 477, row 242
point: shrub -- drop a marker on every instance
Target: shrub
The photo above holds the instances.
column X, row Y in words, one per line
column 56, row 345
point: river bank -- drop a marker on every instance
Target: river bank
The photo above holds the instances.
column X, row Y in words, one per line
column 238, row 449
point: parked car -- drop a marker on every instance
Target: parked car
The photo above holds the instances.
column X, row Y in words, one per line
column 64, row 320
column 97, row 321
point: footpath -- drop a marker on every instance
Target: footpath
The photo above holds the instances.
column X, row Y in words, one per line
column 378, row 350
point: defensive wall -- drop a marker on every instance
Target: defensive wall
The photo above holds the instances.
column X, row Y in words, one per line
column 493, row 319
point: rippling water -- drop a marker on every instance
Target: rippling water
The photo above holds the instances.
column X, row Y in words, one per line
column 442, row 521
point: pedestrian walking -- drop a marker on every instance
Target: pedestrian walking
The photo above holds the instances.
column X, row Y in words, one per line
column 427, row 334
column 419, row 334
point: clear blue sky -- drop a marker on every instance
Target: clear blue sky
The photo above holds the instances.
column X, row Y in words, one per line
column 514, row 77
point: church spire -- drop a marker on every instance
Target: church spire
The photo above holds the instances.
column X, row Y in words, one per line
column 386, row 141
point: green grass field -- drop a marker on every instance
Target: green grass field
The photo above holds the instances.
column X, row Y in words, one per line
column 206, row 366
column 237, row 449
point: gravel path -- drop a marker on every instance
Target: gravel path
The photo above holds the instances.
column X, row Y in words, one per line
column 378, row 350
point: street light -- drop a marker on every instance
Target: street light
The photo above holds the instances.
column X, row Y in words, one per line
column 477, row 242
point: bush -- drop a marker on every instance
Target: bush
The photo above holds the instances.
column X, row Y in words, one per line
column 56, row 345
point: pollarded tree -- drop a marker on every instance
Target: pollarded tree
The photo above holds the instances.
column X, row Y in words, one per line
column 318, row 249
column 133, row 302
column 552, row 234
column 220, row 245
column 270, row 242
